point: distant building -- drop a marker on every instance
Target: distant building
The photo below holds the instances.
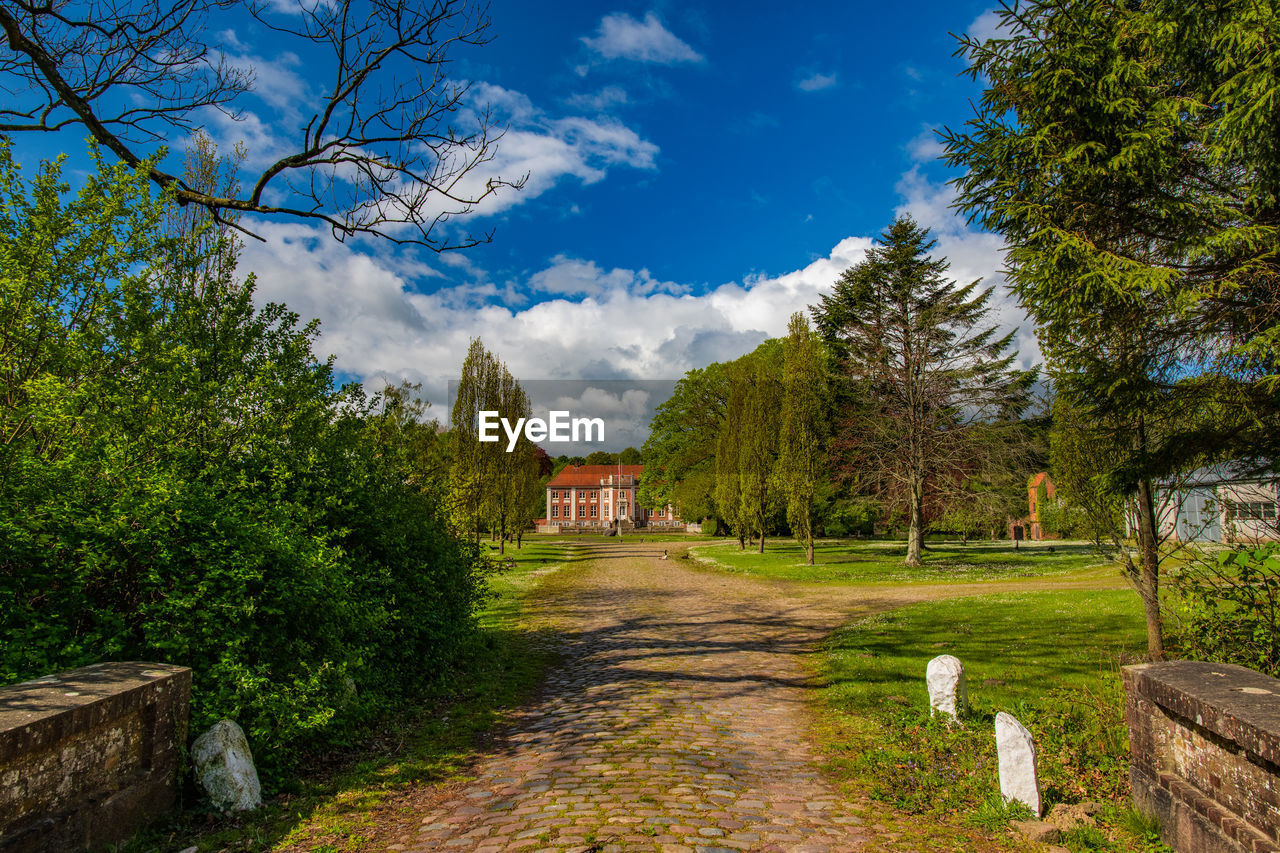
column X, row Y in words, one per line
column 1030, row 527
column 591, row 496
column 1229, row 502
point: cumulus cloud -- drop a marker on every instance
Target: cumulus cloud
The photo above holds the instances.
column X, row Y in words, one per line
column 926, row 146
column 574, row 318
column 987, row 26
column 816, row 82
column 619, row 324
column 623, row 37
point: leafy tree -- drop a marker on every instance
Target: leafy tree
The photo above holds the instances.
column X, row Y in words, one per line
column 181, row 481
column 802, row 446
column 380, row 152
column 471, row 472
column 630, row 456
column 729, row 444
column 602, row 457
column 933, row 381
column 680, row 452
column 758, row 448
column 1125, row 153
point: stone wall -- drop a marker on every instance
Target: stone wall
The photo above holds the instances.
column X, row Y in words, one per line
column 1205, row 745
column 90, row 755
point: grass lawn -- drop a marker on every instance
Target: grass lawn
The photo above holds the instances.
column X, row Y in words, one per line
column 330, row 807
column 1050, row 658
column 871, row 561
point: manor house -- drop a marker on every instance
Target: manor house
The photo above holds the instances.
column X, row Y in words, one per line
column 586, row 496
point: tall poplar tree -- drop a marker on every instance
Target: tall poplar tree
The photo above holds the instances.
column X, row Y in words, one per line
column 728, row 462
column 933, row 379
column 804, row 413
column 758, row 448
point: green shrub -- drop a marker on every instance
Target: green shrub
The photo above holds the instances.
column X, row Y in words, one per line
column 1227, row 608
column 181, row 482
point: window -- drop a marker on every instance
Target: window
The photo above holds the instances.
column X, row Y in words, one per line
column 555, row 495
column 1254, row 510
column 593, row 510
column 555, row 512
column 595, row 494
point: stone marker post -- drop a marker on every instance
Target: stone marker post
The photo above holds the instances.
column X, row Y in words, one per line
column 947, row 692
column 1017, row 754
column 224, row 767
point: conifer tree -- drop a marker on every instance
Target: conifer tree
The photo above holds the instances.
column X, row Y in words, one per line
column 932, row 378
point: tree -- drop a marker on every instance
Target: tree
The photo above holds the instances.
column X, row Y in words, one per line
column 802, row 442
column 377, row 152
column 758, row 448
column 680, row 452
column 630, row 456
column 932, row 380
column 1125, row 152
column 729, row 442
column 180, row 481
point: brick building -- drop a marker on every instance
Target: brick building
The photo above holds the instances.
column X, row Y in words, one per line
column 602, row 496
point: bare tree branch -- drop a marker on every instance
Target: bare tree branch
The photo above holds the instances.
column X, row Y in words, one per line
column 376, row 153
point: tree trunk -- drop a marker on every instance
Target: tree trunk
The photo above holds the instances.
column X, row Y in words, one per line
column 1149, row 557
column 761, row 541
column 742, row 542
column 811, row 551
column 915, row 532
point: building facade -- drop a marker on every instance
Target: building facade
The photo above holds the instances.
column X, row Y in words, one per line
column 586, row 496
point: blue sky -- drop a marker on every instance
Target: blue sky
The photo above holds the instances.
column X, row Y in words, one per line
column 697, row 172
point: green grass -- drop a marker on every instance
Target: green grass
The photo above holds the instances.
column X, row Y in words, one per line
column 330, row 806
column 1049, row 658
column 861, row 561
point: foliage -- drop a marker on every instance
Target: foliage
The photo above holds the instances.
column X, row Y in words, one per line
column 181, row 482
column 493, row 488
column 1117, row 150
column 933, row 380
column 680, row 452
column 802, row 443
column 1228, row 608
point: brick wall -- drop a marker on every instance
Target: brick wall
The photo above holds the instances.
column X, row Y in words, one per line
column 90, row 755
column 1204, row 740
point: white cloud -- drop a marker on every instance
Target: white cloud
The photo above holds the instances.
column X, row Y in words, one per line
column 973, row 255
column 594, row 322
column 571, row 277
column 926, row 146
column 601, row 101
column 987, row 26
column 623, row 37
column 626, row 324
column 817, row 82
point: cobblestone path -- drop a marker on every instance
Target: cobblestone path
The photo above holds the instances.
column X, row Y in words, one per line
column 677, row 722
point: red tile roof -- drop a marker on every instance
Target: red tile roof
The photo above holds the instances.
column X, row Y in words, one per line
column 589, row 476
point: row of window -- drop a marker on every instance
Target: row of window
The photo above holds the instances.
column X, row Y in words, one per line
column 567, row 495
column 582, row 511
column 1252, row 510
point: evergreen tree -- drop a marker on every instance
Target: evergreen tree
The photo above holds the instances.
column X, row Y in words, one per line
column 932, row 379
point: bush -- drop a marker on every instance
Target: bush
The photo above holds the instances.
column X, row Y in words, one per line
column 180, row 481
column 1227, row 608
